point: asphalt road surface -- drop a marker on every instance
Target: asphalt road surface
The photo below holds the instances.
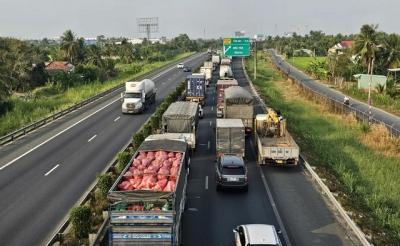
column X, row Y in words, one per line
column 45, row 173
column 210, row 216
column 376, row 113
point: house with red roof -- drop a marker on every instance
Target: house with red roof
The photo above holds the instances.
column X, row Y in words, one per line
column 339, row 47
column 54, row 67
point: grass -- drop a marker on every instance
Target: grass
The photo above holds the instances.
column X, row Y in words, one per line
column 302, row 62
column 365, row 179
column 49, row 100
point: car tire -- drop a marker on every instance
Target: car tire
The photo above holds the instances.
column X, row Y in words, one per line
column 246, row 188
column 218, row 187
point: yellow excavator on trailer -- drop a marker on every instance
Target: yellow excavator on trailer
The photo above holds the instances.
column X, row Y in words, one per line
column 275, row 145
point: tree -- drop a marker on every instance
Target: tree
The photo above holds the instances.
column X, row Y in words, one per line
column 392, row 47
column 366, row 45
column 70, row 45
column 80, row 218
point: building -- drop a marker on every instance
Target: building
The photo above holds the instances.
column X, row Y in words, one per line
column 339, row 47
column 59, row 66
column 363, row 81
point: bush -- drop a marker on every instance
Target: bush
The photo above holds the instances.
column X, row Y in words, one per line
column 137, row 139
column 104, row 183
column 80, row 219
column 88, row 72
column 155, row 121
column 123, row 158
column 147, row 130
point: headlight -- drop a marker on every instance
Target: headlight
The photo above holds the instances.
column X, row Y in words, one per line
column 138, row 105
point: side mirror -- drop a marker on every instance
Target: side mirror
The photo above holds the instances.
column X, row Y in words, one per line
column 279, row 231
column 234, row 230
column 122, row 95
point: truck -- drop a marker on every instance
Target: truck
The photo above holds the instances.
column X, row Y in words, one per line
column 196, row 88
column 220, row 89
column 275, row 145
column 148, row 198
column 207, row 72
column 230, row 137
column 209, row 64
column 181, row 118
column 215, row 60
column 238, row 104
column 225, row 72
column 225, row 61
column 138, row 96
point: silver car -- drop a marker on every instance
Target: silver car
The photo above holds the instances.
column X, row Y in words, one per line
column 256, row 234
column 231, row 172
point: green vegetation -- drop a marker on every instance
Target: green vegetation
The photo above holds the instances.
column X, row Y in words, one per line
column 51, row 98
column 303, row 62
column 80, row 219
column 345, row 152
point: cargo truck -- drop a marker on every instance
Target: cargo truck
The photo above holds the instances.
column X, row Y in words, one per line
column 207, row 72
column 226, row 61
column 275, row 145
column 138, row 96
column 196, row 88
column 181, row 118
column 230, row 137
column 209, row 64
column 220, row 89
column 215, row 60
column 148, row 198
column 238, row 104
column 225, row 72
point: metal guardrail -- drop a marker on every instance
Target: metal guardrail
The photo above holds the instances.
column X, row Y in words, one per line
column 26, row 129
column 350, row 223
column 86, row 196
column 339, row 106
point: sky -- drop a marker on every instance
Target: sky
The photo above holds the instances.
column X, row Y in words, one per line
column 36, row 19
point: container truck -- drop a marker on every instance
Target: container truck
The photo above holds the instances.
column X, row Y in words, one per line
column 196, row 88
column 138, row 96
column 181, row 118
column 238, row 104
column 208, row 64
column 148, row 198
column 225, row 61
column 215, row 60
column 220, row 88
column 275, row 145
column 225, row 72
column 230, row 137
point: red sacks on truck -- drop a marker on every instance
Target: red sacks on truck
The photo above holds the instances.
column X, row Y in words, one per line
column 170, row 187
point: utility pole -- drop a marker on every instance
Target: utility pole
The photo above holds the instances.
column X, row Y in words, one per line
column 255, row 59
column 369, row 91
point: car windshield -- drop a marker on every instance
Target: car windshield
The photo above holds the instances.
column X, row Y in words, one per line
column 133, row 95
column 232, row 170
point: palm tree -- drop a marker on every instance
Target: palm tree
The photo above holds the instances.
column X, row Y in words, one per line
column 366, row 45
column 392, row 46
column 94, row 55
column 70, row 45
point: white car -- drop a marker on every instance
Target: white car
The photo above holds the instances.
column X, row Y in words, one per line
column 256, row 234
column 180, row 65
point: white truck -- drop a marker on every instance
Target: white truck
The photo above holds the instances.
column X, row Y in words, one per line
column 230, row 137
column 138, row 96
column 209, row 64
column 215, row 60
column 225, row 72
column 275, row 145
column 207, row 71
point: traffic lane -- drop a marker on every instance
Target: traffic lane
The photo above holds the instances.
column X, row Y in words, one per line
column 70, row 141
column 377, row 113
column 11, row 151
column 307, row 216
column 216, row 214
column 163, row 93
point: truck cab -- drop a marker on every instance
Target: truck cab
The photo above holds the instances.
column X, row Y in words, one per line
column 137, row 96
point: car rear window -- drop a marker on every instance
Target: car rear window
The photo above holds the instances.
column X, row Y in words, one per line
column 233, row 170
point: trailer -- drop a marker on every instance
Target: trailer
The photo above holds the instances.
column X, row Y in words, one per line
column 196, row 88
column 148, row 198
column 223, row 84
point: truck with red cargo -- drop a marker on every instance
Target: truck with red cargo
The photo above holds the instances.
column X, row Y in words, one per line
column 222, row 84
column 148, row 198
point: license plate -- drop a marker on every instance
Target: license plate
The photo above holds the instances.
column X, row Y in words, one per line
column 233, row 179
column 279, row 161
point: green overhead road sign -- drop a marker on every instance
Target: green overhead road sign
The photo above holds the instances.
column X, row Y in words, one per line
column 236, row 46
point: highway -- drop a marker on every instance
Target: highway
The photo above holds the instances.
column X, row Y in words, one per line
column 45, row 173
column 210, row 216
column 376, row 113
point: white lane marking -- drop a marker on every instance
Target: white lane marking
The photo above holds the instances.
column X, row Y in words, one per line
column 193, row 209
column 206, row 183
column 208, row 144
column 51, row 170
column 212, row 108
column 119, row 117
column 58, row 134
column 66, row 129
column 90, row 139
column 210, row 123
